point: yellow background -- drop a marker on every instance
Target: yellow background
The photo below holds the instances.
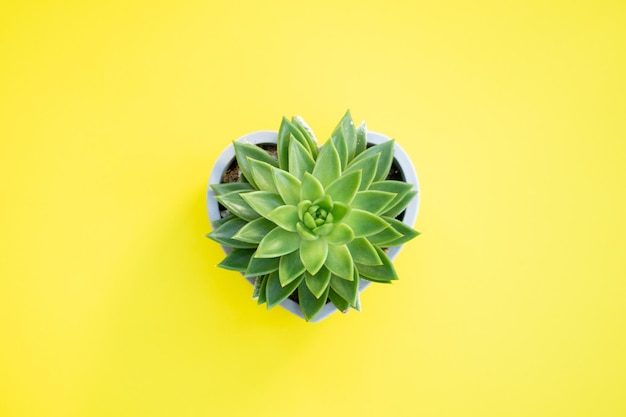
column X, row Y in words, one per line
column 511, row 303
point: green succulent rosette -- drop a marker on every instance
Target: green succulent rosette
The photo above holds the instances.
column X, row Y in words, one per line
column 313, row 221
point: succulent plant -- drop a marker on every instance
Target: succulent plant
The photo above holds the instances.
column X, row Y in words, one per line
column 312, row 222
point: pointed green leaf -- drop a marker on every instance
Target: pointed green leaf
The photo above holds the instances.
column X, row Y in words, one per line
column 288, row 186
column 309, row 304
column 257, row 287
column 300, row 160
column 398, row 206
column 324, row 229
column 298, row 134
column 357, row 305
column 229, row 228
column 263, row 202
column 305, row 233
column 361, row 138
column 261, row 266
column 349, row 132
column 290, row 267
column 363, row 252
column 282, row 144
column 237, row 260
column 338, row 301
column 364, row 223
column 260, row 285
column 339, row 261
column 344, row 136
column 385, row 161
column 368, row 167
column 318, row 283
column 217, row 223
column 285, row 217
column 303, row 207
column 340, row 234
column 226, row 234
column 386, row 158
column 328, row 166
column 339, row 211
column 339, row 141
column 307, row 133
column 344, row 188
column 348, row 290
column 276, row 293
column 236, row 205
column 313, row 254
column 243, row 151
column 407, row 233
column 400, row 188
column 278, row 242
column 309, row 221
column 385, row 237
column 229, row 187
column 255, row 231
column 392, row 186
column 311, row 189
column 324, row 202
column 379, row 273
column 263, row 175
column 372, row 201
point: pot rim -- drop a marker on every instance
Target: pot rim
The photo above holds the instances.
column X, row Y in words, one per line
column 270, row 137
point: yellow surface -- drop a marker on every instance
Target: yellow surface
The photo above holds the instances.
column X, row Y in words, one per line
column 511, row 303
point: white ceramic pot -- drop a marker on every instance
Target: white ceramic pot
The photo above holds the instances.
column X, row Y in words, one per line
column 269, row 137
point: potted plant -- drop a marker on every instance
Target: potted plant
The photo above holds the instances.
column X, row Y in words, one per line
column 311, row 227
